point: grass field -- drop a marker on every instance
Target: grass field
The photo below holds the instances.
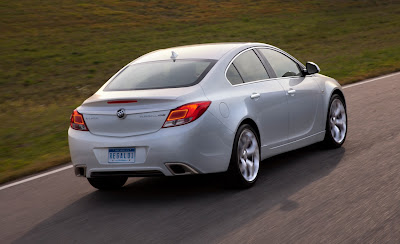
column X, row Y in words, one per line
column 54, row 54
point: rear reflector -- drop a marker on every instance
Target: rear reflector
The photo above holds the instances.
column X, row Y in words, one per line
column 186, row 113
column 77, row 122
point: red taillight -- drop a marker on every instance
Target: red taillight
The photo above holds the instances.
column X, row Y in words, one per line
column 77, row 122
column 186, row 113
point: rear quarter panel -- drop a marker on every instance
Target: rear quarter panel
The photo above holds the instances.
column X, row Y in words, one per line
column 218, row 90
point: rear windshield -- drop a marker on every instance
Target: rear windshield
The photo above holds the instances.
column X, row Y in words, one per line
column 161, row 74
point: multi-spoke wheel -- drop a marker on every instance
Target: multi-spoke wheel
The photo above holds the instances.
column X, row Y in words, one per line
column 245, row 159
column 336, row 124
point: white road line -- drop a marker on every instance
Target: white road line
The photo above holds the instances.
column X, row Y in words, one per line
column 35, row 177
column 371, row 80
column 70, row 166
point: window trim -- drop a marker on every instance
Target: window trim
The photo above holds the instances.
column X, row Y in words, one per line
column 262, row 58
column 234, row 66
column 265, row 62
column 233, row 59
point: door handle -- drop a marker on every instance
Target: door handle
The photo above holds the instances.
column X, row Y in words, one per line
column 255, row 95
column 291, row 92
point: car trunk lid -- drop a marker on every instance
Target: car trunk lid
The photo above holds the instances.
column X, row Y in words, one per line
column 140, row 112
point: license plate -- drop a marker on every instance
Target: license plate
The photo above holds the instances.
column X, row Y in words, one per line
column 121, row 155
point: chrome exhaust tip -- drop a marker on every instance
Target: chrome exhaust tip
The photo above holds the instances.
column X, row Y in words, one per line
column 181, row 169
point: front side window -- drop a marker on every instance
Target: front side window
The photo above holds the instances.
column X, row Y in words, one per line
column 161, row 74
column 249, row 68
column 281, row 64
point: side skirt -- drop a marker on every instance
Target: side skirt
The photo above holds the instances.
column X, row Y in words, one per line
column 269, row 152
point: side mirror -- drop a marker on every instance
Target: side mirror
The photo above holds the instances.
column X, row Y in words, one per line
column 312, row 68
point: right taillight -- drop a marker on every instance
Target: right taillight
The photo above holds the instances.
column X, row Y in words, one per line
column 186, row 113
column 77, row 122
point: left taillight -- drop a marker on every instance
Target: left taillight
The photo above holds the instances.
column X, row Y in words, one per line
column 77, row 122
column 186, row 113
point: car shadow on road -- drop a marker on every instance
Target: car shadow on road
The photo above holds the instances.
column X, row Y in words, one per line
column 173, row 209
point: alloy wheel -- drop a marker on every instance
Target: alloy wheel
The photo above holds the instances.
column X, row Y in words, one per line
column 249, row 155
column 338, row 121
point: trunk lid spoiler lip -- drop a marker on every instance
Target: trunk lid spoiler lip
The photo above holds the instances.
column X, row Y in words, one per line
column 148, row 101
column 127, row 111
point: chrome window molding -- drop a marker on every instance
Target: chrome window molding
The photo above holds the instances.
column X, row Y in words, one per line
column 269, row 79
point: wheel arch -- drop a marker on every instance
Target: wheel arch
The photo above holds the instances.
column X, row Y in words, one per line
column 328, row 141
column 331, row 87
column 340, row 93
column 334, row 91
column 253, row 125
column 234, row 174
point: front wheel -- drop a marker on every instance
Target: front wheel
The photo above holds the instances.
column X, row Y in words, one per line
column 108, row 183
column 245, row 158
column 336, row 124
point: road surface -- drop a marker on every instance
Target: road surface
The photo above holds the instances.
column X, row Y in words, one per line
column 311, row 195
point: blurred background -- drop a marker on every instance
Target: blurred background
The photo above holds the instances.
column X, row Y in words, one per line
column 55, row 54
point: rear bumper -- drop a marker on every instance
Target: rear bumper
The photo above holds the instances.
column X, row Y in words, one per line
column 204, row 145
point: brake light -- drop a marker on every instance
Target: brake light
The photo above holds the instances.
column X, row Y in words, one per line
column 186, row 113
column 77, row 122
column 122, row 101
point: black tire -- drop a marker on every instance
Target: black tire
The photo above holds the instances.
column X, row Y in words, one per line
column 234, row 174
column 329, row 141
column 108, row 183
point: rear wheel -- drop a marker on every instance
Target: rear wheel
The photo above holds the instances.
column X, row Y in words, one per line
column 108, row 183
column 245, row 158
column 336, row 123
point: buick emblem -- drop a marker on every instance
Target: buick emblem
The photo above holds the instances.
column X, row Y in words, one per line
column 121, row 113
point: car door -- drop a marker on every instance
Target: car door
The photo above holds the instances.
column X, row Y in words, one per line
column 265, row 98
column 302, row 92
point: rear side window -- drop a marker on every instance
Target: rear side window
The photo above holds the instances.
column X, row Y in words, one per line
column 161, row 74
column 281, row 64
column 233, row 75
column 249, row 66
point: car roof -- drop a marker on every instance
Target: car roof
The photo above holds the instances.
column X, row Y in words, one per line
column 198, row 51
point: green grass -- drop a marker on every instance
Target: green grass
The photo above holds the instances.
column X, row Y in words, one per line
column 55, row 54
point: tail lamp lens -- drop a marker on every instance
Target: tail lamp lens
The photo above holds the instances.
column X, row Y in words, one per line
column 186, row 113
column 77, row 122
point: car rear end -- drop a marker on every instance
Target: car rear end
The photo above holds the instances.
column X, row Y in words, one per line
column 155, row 125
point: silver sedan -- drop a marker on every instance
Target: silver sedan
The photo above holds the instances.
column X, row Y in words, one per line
column 202, row 109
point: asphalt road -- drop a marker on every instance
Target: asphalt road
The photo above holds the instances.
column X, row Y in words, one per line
column 312, row 195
